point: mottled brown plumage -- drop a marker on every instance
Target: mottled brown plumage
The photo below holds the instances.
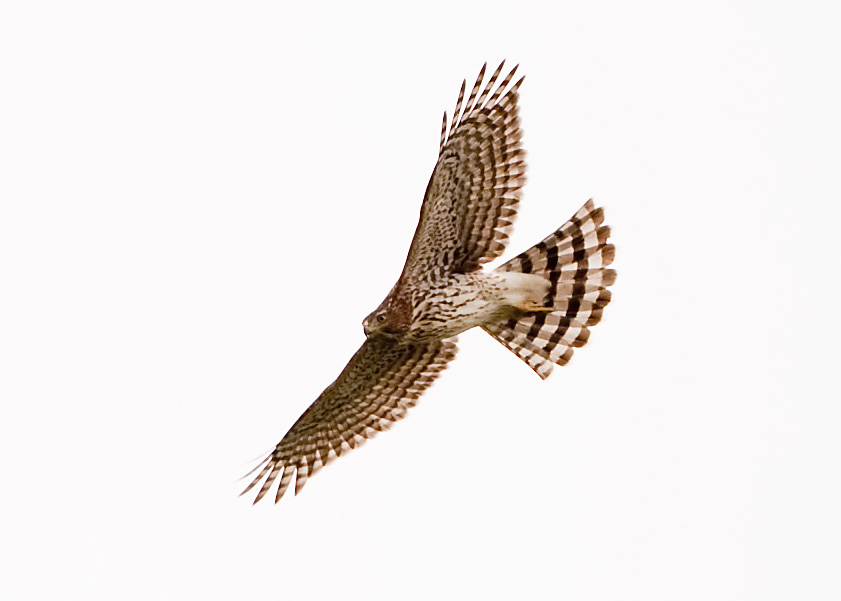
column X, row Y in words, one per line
column 539, row 304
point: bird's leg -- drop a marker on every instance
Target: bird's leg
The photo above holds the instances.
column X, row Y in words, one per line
column 527, row 293
column 528, row 306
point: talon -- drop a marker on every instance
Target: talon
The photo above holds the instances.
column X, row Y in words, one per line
column 530, row 307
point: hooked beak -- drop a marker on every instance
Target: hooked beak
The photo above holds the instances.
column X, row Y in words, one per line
column 365, row 328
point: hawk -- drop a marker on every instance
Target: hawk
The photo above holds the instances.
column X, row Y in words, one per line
column 540, row 304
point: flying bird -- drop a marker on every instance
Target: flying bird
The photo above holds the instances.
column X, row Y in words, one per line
column 540, row 304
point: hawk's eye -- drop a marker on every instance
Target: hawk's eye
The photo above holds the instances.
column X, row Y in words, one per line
column 381, row 318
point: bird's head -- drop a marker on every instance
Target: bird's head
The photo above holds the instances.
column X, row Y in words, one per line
column 391, row 318
column 376, row 322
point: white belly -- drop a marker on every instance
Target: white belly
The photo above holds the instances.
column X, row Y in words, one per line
column 469, row 300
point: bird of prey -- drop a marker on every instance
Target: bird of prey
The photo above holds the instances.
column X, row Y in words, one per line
column 540, row 304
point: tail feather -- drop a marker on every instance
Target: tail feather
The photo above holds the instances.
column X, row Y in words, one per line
column 574, row 259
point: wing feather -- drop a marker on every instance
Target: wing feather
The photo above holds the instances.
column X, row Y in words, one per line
column 472, row 197
column 376, row 387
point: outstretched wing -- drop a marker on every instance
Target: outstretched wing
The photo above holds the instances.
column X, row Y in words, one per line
column 472, row 196
column 378, row 385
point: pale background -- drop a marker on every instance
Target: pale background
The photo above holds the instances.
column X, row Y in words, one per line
column 202, row 200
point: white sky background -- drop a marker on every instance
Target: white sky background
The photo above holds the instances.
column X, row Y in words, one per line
column 202, row 200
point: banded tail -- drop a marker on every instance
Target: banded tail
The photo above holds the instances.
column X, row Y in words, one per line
column 574, row 260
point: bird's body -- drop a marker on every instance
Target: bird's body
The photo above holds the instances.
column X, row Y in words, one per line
column 539, row 305
column 467, row 300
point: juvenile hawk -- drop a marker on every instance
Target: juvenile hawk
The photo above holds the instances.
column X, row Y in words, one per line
column 539, row 304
